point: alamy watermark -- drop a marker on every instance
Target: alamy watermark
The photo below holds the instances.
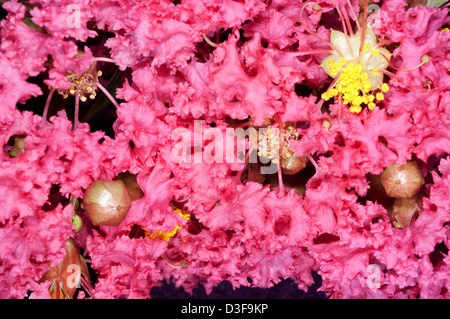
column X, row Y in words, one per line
column 374, row 279
column 74, row 19
column 214, row 145
column 74, row 279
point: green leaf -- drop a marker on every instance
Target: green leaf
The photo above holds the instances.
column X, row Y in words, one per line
column 34, row 26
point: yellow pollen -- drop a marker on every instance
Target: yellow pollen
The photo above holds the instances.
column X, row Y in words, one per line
column 444, row 30
column 99, row 73
column 83, row 99
column 72, row 91
column 374, row 71
column 375, row 52
column 380, row 96
column 166, row 236
column 366, row 47
column 371, row 106
column 355, row 109
column 384, row 87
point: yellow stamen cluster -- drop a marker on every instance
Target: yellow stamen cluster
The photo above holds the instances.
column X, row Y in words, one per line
column 86, row 83
column 336, row 67
column 166, row 236
column 353, row 85
column 269, row 143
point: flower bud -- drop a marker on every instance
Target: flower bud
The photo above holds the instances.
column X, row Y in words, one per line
column 293, row 164
column 405, row 209
column 15, row 146
column 106, row 202
column 404, row 181
column 77, row 222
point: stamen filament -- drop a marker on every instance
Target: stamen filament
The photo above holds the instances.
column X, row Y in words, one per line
column 316, row 166
column 345, row 32
column 109, row 96
column 47, row 105
column 384, row 42
column 181, row 264
column 86, row 285
column 312, row 33
column 245, row 124
column 390, row 74
column 354, row 17
column 207, row 40
column 313, row 52
column 347, row 21
column 102, row 59
column 401, row 69
column 363, row 34
column 77, row 110
column 280, row 175
column 420, row 93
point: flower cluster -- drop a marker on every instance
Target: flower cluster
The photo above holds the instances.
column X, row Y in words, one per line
column 348, row 170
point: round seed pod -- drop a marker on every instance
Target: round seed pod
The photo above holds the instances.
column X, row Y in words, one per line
column 404, row 181
column 106, row 202
column 405, row 209
column 131, row 184
column 293, row 164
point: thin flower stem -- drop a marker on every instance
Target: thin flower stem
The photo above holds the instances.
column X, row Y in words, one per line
column 346, row 32
column 390, row 74
column 347, row 21
column 280, row 151
column 384, row 42
column 354, row 17
column 312, row 33
column 77, row 111
column 250, row 150
column 47, row 105
column 246, row 123
column 363, row 35
column 339, row 108
column 400, row 69
column 280, row 176
column 207, row 40
column 108, row 95
column 87, row 286
column 316, row 166
column 313, row 52
column 101, row 59
column 420, row 93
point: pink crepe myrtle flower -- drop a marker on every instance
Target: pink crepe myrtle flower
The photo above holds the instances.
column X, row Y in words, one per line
column 223, row 65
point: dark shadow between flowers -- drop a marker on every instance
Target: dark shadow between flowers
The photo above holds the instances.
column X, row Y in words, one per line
column 285, row 289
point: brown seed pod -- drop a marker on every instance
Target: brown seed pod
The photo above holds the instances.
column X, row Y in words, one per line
column 293, row 164
column 106, row 202
column 404, row 181
column 405, row 209
column 131, row 184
